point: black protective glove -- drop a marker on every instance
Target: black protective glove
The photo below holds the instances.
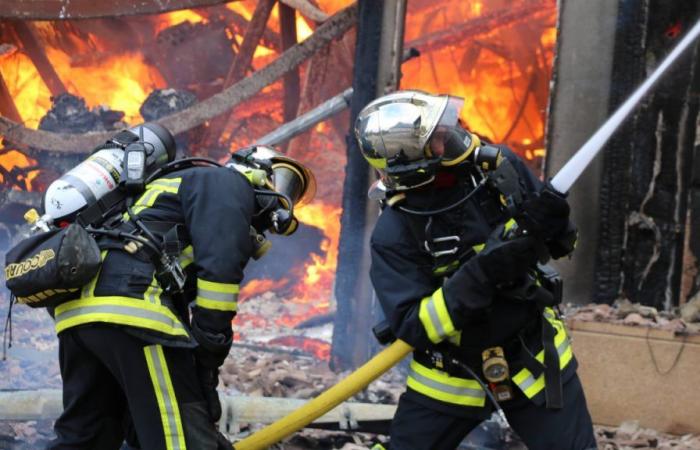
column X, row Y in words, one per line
column 505, row 261
column 472, row 286
column 545, row 213
column 209, row 380
column 209, row 356
column 564, row 244
column 212, row 347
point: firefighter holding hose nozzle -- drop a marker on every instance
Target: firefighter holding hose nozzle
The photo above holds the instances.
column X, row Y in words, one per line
column 141, row 260
column 458, row 259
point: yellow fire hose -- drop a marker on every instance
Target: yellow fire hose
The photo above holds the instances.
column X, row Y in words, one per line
column 320, row 405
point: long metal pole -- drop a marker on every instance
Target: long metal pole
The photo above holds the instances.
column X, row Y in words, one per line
column 307, row 120
column 573, row 169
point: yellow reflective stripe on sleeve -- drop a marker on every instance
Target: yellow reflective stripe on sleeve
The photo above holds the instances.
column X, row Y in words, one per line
column 441, row 386
column 118, row 310
column 153, row 190
column 435, row 318
column 377, row 163
column 524, row 378
column 186, row 257
column 165, row 396
column 167, row 184
column 217, row 296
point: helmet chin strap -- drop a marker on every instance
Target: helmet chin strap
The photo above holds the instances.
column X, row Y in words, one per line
column 432, row 212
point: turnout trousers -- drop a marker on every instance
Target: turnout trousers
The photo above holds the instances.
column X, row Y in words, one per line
column 111, row 378
column 416, row 427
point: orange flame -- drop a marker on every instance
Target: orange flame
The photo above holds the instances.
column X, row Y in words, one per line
column 317, row 284
column 14, row 158
column 259, row 286
column 173, row 18
column 30, row 94
column 122, row 81
column 320, row 349
column 495, row 88
column 502, row 73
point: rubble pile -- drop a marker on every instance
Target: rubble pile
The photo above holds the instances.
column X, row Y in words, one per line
column 683, row 321
column 251, row 372
column 255, row 367
column 629, row 436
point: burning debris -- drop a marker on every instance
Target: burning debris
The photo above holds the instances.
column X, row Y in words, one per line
column 69, row 114
column 163, row 102
column 193, row 55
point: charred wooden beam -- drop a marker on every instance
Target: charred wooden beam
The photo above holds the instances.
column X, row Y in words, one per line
column 306, row 9
column 480, row 25
column 197, row 114
column 292, row 88
column 322, row 112
column 255, row 30
column 46, row 404
column 35, row 51
column 352, row 291
column 269, row 39
column 91, row 9
column 7, row 104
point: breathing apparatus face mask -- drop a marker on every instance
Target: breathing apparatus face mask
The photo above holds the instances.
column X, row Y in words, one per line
column 280, row 183
column 450, row 141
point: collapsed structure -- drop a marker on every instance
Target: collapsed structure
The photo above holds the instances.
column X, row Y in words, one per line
column 648, row 212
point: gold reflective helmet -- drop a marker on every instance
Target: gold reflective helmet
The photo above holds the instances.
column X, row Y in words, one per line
column 278, row 177
column 407, row 135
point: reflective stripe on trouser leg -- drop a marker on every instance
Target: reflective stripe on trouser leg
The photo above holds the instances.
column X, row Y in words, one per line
column 165, row 395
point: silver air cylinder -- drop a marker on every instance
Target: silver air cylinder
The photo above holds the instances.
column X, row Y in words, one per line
column 101, row 173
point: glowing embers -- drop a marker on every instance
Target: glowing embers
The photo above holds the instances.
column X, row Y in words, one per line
column 17, row 171
column 316, row 347
column 304, row 291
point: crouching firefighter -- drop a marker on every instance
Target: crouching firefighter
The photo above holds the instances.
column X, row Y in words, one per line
column 173, row 244
column 455, row 267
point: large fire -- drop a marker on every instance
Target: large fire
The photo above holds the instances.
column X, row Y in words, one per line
column 501, row 67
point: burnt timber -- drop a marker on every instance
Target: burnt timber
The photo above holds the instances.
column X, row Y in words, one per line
column 93, row 9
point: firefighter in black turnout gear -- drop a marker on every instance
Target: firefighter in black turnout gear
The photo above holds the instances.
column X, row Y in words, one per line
column 139, row 353
column 455, row 267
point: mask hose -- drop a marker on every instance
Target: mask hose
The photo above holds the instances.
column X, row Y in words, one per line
column 433, row 212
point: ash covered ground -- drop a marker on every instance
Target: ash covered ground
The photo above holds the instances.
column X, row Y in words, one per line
column 257, row 368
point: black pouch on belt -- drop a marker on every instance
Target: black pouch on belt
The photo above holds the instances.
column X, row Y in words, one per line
column 46, row 269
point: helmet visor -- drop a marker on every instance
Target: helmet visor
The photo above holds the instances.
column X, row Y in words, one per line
column 288, row 181
column 450, row 141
